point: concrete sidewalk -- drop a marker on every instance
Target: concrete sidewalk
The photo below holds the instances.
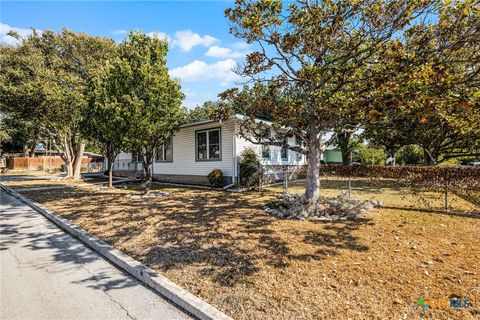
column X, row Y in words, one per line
column 47, row 274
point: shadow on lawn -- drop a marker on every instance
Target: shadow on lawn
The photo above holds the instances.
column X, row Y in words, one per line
column 226, row 236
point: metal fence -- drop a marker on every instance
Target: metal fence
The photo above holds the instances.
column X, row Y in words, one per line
column 430, row 188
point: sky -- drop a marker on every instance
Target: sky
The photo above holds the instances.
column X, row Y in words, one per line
column 201, row 54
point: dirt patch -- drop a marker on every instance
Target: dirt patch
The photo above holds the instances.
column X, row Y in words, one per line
column 222, row 247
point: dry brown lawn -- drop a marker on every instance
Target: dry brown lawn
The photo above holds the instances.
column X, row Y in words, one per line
column 51, row 181
column 222, row 247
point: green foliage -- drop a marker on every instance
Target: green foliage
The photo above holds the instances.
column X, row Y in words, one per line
column 216, row 178
column 204, row 112
column 410, row 154
column 324, row 66
column 45, row 80
column 372, row 156
column 135, row 92
column 249, row 163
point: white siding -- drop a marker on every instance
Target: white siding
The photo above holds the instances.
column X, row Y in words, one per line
column 184, row 162
column 275, row 152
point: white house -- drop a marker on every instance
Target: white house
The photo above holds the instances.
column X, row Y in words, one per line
column 198, row 148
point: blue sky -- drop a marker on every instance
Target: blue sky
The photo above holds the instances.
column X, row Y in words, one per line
column 202, row 52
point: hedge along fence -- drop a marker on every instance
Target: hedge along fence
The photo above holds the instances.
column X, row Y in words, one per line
column 426, row 177
column 433, row 188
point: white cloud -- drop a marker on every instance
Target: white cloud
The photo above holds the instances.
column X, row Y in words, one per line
column 186, row 40
column 199, row 70
column 222, row 52
column 5, row 39
column 159, row 35
column 240, row 45
column 120, row 32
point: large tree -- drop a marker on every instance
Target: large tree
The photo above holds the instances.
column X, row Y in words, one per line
column 46, row 79
column 105, row 121
column 437, row 103
column 136, row 87
column 315, row 57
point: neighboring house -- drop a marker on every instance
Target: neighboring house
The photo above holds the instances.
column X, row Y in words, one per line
column 332, row 156
column 198, row 148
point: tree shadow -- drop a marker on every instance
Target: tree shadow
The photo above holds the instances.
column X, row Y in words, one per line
column 22, row 229
column 224, row 236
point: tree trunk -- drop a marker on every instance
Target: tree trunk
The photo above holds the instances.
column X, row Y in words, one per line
column 77, row 162
column 69, row 167
column 428, row 158
column 32, row 147
column 66, row 155
column 312, row 188
column 25, row 151
column 148, row 177
column 344, row 144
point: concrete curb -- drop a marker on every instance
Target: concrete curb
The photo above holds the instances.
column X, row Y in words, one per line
column 145, row 275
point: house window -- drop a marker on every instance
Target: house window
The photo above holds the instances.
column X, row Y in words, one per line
column 298, row 142
column 266, row 152
column 136, row 157
column 208, row 144
column 165, row 151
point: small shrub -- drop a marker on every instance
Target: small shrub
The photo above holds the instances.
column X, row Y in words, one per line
column 410, row 154
column 372, row 156
column 249, row 163
column 216, row 178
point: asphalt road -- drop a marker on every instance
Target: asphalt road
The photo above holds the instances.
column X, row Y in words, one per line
column 47, row 274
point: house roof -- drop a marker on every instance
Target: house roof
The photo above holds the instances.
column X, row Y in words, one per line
column 236, row 116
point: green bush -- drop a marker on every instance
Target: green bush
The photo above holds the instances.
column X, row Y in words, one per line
column 372, row 156
column 216, row 178
column 411, row 154
column 249, row 163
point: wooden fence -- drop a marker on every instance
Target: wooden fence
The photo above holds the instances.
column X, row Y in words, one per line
column 40, row 163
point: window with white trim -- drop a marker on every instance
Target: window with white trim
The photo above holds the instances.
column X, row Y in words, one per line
column 208, row 145
column 136, row 157
column 165, row 151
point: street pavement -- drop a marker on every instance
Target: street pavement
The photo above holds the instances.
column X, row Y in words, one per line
column 47, row 274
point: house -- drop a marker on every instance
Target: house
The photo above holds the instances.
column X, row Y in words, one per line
column 198, row 148
column 332, row 156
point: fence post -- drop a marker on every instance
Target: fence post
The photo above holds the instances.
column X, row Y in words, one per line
column 349, row 186
column 446, row 191
column 260, row 177
column 285, row 179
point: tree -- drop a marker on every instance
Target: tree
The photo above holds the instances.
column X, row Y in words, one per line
column 46, row 79
column 314, row 58
column 19, row 136
column 203, row 112
column 136, row 87
column 371, row 156
column 410, row 154
column 436, row 103
column 105, row 121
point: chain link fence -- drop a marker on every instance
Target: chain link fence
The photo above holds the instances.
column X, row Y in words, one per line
column 417, row 188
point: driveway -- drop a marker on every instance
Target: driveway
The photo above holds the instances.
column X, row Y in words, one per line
column 47, row 274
